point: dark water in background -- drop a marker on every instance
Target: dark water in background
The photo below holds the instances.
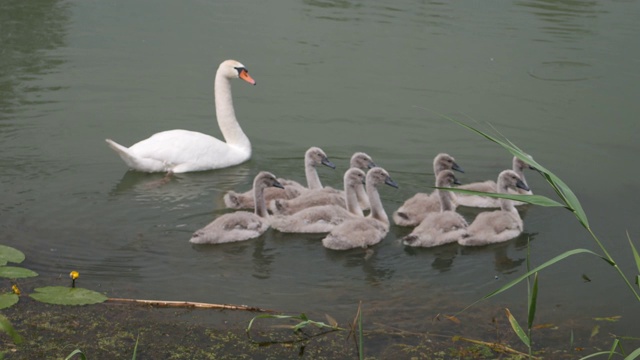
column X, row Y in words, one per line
column 558, row 78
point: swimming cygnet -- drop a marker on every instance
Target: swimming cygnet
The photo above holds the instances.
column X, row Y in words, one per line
column 499, row 225
column 414, row 210
column 240, row 225
column 490, row 186
column 326, row 195
column 442, row 227
column 313, row 157
column 320, row 219
column 364, row 231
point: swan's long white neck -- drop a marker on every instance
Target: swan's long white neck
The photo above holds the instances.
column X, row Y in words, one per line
column 351, row 198
column 310, row 172
column 258, row 198
column 506, row 204
column 446, row 201
column 226, row 115
column 362, row 197
column 518, row 167
column 377, row 210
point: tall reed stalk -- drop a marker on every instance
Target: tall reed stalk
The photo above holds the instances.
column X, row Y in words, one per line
column 568, row 200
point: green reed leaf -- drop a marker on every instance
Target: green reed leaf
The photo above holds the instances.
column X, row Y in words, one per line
column 535, row 270
column 565, row 193
column 6, row 327
column 518, row 329
column 530, row 199
column 533, row 301
column 634, row 355
column 76, row 352
column 636, row 257
column 304, row 321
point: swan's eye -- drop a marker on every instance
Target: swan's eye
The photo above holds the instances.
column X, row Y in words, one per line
column 240, row 69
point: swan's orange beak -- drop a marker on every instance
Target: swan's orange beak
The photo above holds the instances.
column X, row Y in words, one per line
column 244, row 75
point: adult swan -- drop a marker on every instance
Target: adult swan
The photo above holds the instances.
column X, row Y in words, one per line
column 179, row 151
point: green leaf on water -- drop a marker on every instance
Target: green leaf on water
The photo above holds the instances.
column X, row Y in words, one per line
column 8, row 300
column 12, row 272
column 9, row 254
column 63, row 295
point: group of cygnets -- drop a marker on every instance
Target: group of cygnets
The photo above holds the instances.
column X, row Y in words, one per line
column 288, row 206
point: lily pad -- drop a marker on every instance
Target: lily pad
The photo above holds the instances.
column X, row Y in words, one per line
column 7, row 300
column 63, row 295
column 9, row 254
column 12, row 272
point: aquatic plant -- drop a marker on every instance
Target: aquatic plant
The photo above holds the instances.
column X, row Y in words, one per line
column 84, row 357
column 60, row 295
column 304, row 321
column 570, row 202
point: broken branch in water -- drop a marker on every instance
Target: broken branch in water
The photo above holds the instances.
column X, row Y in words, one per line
column 189, row 304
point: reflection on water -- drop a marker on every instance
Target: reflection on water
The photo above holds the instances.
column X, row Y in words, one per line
column 176, row 188
column 566, row 20
column 29, row 30
column 343, row 75
column 434, row 14
column 262, row 257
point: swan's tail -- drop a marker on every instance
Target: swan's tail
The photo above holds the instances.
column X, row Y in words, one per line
column 136, row 163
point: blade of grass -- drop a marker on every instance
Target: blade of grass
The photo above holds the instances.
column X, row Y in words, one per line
column 533, row 271
column 6, row 327
column 304, row 321
column 360, row 335
column 558, row 185
column 76, row 352
column 634, row 355
column 518, row 329
column 636, row 257
column 533, row 301
column 530, row 199
column 135, row 348
column 562, row 190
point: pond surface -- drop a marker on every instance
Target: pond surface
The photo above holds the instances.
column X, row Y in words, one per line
column 558, row 78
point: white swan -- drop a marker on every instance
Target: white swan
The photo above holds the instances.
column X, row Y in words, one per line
column 240, row 225
column 322, row 219
column 490, row 186
column 413, row 211
column 180, row 151
column 499, row 225
column 365, row 231
column 313, row 157
column 439, row 228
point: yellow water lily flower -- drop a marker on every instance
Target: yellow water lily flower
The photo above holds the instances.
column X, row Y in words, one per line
column 74, row 275
column 16, row 289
